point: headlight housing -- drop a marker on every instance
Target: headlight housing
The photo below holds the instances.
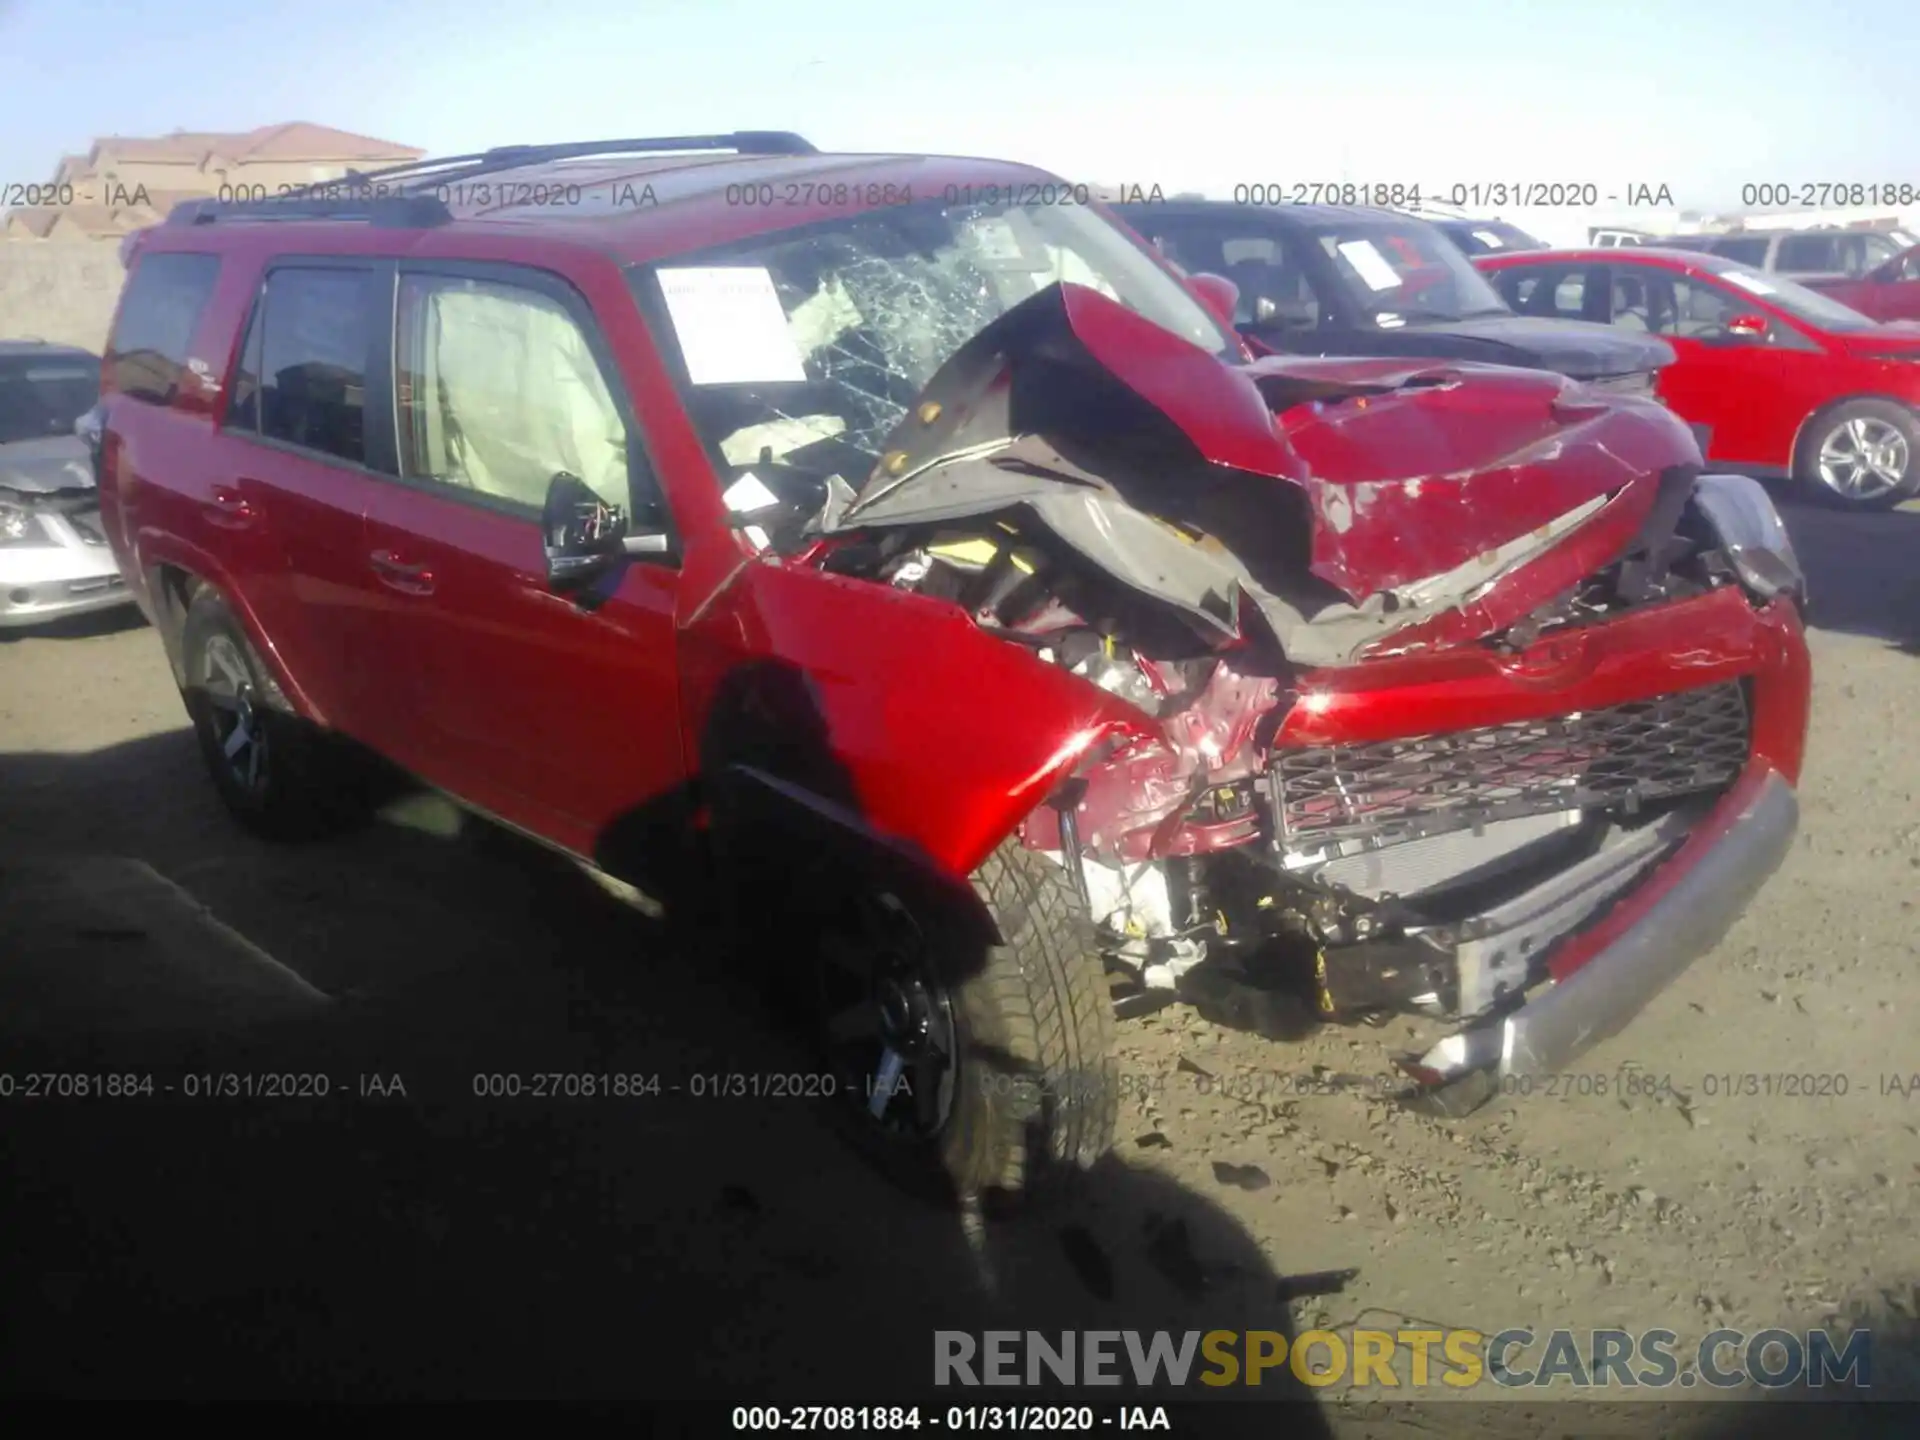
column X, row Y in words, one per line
column 1752, row 534
column 19, row 525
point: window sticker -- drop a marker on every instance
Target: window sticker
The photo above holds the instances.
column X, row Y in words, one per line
column 1489, row 239
column 1370, row 265
column 995, row 242
column 749, row 493
column 731, row 327
column 1748, row 282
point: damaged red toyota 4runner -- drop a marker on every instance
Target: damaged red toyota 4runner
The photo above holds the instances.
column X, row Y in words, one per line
column 912, row 557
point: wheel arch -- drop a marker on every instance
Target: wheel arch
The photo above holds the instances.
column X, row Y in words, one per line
column 174, row 587
column 822, row 841
column 1820, row 412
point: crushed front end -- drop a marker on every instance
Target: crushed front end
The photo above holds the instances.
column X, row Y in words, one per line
column 1465, row 693
column 54, row 559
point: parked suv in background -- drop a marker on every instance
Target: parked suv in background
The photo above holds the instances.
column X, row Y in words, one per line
column 53, row 559
column 1338, row 280
column 1487, row 237
column 933, row 572
column 1799, row 254
column 1889, row 293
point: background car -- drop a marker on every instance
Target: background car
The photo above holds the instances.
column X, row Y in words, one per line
column 1334, row 280
column 1799, row 254
column 1891, row 292
column 1610, row 239
column 1786, row 380
column 53, row 559
column 1487, row 237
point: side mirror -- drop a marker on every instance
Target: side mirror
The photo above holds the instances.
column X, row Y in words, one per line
column 90, row 425
column 585, row 536
column 1219, row 294
column 1747, row 327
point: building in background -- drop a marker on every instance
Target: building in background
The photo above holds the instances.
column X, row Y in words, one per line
column 125, row 182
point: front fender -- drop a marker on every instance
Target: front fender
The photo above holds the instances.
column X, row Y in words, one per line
column 895, row 713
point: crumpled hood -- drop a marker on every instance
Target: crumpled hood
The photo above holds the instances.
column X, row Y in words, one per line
column 41, row 467
column 1579, row 348
column 1352, row 495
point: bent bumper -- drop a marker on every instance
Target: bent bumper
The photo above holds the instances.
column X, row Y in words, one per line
column 1607, row 975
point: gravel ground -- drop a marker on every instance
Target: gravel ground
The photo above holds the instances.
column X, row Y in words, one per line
column 430, row 1243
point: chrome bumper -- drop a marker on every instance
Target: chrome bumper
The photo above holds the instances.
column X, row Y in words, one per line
column 1707, row 885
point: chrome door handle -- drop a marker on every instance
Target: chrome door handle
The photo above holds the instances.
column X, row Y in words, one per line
column 397, row 574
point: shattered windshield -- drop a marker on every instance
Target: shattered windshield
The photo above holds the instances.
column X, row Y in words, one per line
column 42, row 398
column 806, row 347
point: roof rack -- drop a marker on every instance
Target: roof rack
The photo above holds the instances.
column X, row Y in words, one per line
column 400, row 212
column 512, row 157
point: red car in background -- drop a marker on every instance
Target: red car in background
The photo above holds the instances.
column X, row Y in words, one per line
column 1787, row 380
column 1891, row 292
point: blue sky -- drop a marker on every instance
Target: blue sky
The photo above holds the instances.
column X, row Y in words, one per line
column 1700, row 95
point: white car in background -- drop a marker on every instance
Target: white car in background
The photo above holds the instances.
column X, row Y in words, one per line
column 53, row 559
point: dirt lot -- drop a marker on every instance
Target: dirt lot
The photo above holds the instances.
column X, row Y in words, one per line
column 431, row 1243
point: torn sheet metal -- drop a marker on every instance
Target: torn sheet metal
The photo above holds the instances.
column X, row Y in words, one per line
column 1333, row 566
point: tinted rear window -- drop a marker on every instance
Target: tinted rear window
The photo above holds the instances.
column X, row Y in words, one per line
column 1745, row 252
column 165, row 298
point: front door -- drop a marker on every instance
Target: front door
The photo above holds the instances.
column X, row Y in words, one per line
column 557, row 713
column 1750, row 391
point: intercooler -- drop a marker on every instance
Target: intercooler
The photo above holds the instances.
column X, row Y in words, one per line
column 1403, row 814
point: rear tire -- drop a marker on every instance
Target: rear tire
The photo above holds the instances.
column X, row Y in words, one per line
column 1030, row 1102
column 275, row 772
column 1863, row 455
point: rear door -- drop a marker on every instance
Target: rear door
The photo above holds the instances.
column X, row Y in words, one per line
column 559, row 715
column 296, row 459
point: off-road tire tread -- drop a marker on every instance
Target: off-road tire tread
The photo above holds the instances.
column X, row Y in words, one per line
column 1049, row 986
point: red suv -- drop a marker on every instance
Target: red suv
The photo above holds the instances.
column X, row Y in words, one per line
column 898, row 543
column 1787, row 380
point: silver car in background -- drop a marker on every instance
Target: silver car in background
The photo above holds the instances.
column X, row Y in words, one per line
column 53, row 559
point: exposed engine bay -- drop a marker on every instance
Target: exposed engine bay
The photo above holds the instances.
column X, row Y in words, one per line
column 1201, row 569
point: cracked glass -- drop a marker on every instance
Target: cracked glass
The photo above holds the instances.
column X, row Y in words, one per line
column 874, row 304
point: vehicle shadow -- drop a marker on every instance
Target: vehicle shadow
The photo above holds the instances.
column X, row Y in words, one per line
column 411, row 1234
column 79, row 627
column 1861, row 576
column 1840, row 1409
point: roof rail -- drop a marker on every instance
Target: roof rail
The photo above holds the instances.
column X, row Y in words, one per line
column 512, row 157
column 399, row 212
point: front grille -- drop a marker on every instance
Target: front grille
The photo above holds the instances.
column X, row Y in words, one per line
column 1618, row 758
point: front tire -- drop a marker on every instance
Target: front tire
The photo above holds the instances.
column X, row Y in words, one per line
column 273, row 770
column 1863, row 455
column 973, row 1070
